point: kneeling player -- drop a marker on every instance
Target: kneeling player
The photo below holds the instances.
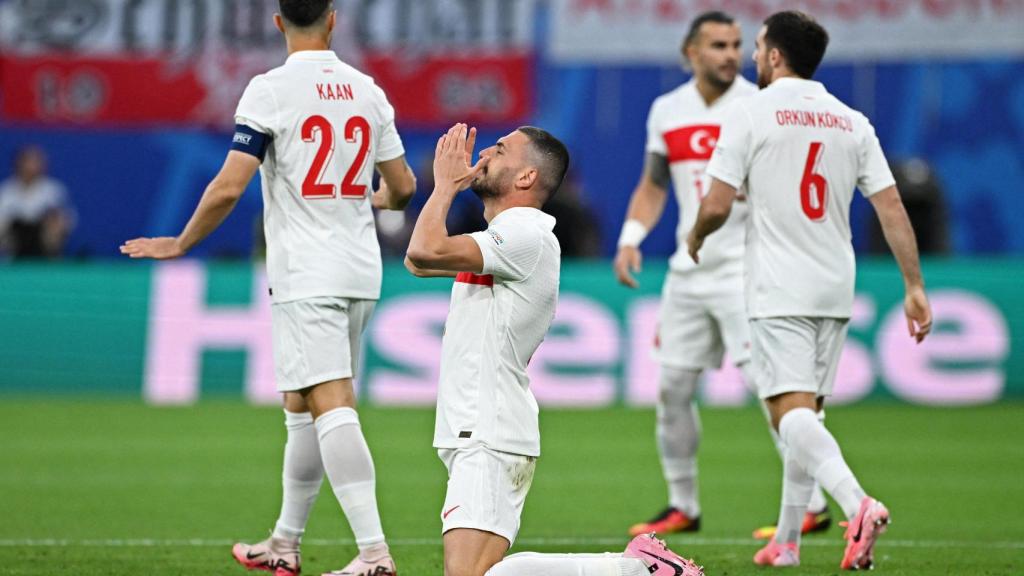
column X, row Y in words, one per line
column 503, row 302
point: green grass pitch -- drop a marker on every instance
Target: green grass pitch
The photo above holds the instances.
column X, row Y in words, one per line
column 116, row 488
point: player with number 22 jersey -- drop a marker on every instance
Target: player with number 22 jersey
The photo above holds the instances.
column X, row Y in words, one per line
column 327, row 125
column 315, row 128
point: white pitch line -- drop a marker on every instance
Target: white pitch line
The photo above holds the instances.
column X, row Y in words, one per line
column 611, row 542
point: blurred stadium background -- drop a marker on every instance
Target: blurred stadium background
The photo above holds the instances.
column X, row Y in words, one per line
column 132, row 103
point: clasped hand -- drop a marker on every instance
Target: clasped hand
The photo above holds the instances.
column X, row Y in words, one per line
column 453, row 168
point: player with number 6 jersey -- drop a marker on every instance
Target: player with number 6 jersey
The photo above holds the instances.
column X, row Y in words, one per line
column 702, row 313
column 315, row 128
column 800, row 153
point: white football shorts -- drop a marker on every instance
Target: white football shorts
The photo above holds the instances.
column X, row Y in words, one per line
column 797, row 354
column 699, row 320
column 317, row 340
column 486, row 490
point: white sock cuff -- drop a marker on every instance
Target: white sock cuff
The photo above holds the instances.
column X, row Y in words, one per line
column 297, row 420
column 793, row 420
column 334, row 419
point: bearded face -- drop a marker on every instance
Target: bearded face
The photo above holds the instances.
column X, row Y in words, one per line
column 491, row 182
column 717, row 57
column 760, row 56
column 764, row 72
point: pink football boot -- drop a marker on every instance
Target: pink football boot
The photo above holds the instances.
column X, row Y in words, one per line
column 273, row 555
column 659, row 560
column 775, row 554
column 871, row 520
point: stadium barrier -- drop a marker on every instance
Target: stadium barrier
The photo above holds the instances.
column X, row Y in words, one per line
column 176, row 332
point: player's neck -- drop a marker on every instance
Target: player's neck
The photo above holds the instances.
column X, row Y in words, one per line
column 301, row 43
column 494, row 206
column 781, row 73
column 709, row 92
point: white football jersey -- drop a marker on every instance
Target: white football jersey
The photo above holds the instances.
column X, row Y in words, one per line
column 684, row 129
column 329, row 125
column 496, row 322
column 800, row 152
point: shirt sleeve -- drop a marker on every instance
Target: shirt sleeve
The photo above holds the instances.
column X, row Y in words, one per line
column 511, row 250
column 730, row 162
column 389, row 143
column 874, row 174
column 655, row 140
column 257, row 108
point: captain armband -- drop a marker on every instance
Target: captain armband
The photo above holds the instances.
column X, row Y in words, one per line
column 250, row 141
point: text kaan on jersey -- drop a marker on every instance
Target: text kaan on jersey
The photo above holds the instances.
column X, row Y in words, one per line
column 813, row 119
column 334, row 91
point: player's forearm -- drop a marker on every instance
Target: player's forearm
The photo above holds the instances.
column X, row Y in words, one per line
column 647, row 204
column 399, row 189
column 426, row 246
column 708, row 221
column 427, row 272
column 217, row 202
column 899, row 234
column 399, row 199
column 388, row 200
column 714, row 209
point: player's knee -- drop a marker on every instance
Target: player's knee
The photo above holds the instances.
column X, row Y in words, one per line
column 677, row 386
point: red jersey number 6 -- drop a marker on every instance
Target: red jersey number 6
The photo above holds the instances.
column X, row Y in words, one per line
column 813, row 186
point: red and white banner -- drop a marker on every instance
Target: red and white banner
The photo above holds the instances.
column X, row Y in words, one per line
column 652, row 30
column 187, row 61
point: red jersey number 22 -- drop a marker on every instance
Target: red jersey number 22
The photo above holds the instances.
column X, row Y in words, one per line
column 357, row 129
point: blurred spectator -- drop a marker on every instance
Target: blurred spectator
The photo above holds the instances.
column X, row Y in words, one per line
column 575, row 224
column 35, row 213
column 925, row 201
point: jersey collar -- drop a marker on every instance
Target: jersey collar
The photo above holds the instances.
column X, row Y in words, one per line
column 545, row 219
column 314, row 56
column 790, row 83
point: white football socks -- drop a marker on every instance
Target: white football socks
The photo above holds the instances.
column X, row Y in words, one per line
column 349, row 467
column 678, row 435
column 536, row 564
column 816, row 450
column 797, row 485
column 302, row 475
column 818, row 502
